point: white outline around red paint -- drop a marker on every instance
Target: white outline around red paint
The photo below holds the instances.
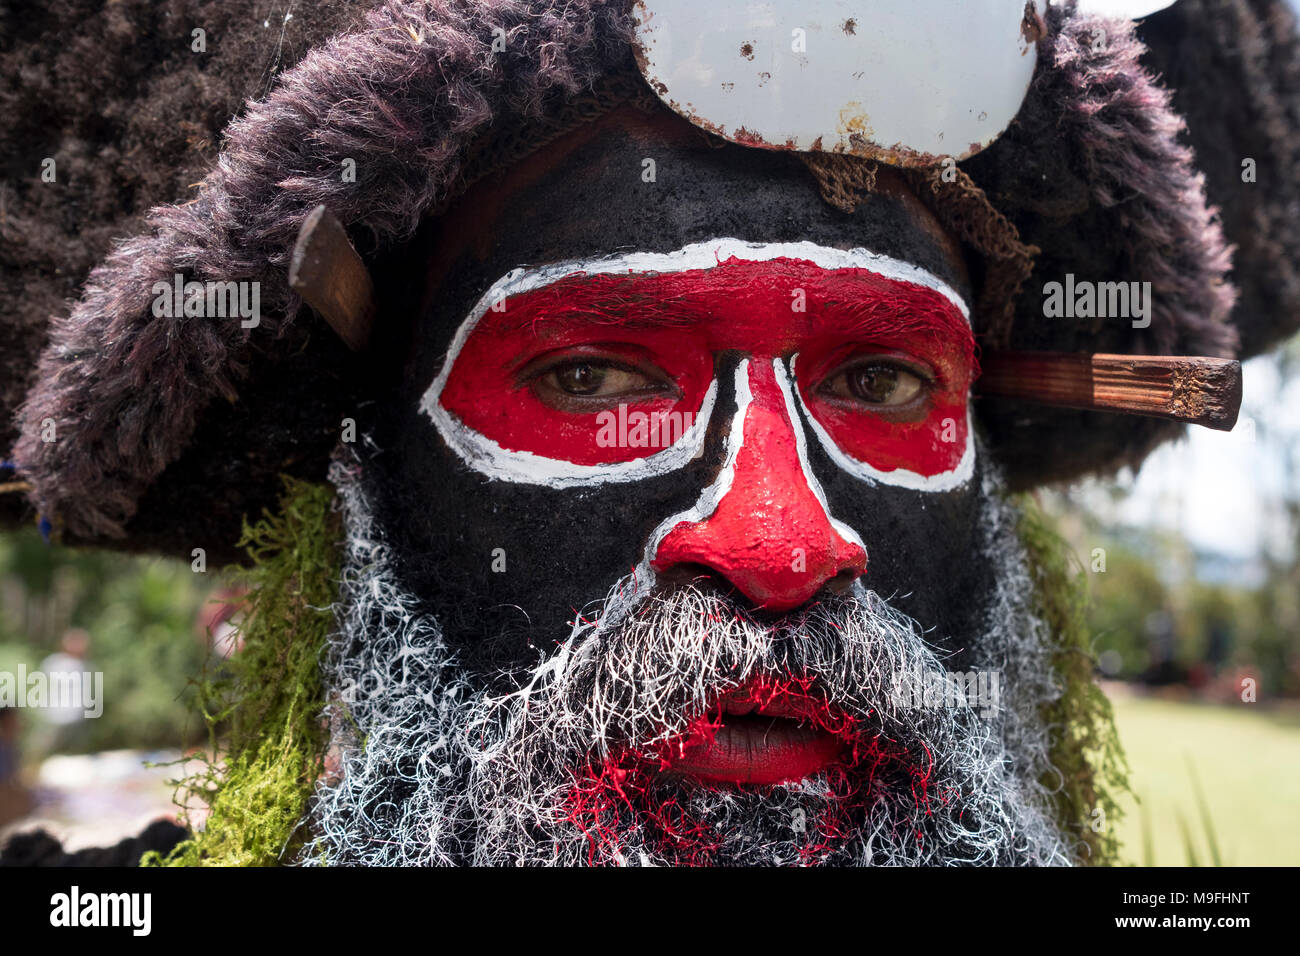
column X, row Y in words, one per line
column 801, row 446
column 489, row 458
column 899, row 477
column 712, row 496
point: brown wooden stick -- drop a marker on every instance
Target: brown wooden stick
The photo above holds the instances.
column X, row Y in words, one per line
column 1203, row 391
column 329, row 275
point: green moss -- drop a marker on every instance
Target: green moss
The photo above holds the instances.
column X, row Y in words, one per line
column 1085, row 745
column 264, row 712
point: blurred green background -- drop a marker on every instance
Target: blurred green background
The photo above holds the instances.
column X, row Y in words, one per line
column 1194, row 570
column 1242, row 760
column 142, row 616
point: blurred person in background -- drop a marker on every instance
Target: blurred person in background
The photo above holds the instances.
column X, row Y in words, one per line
column 61, row 723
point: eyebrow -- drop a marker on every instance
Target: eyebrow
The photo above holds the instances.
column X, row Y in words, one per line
column 601, row 299
column 907, row 310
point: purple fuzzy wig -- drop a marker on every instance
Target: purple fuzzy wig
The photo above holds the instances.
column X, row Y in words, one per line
column 1092, row 172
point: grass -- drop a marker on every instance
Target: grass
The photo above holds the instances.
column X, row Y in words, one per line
column 1219, row 785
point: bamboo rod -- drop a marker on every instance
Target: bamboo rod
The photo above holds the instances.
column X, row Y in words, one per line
column 1201, row 390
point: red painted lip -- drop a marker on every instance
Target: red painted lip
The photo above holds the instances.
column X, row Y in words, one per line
column 758, row 743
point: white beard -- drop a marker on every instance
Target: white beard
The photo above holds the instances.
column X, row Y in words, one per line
column 451, row 774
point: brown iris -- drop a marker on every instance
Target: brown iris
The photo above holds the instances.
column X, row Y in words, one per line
column 877, row 383
column 580, row 384
column 581, row 378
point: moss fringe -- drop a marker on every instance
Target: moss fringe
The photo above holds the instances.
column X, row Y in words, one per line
column 1091, row 769
column 265, row 709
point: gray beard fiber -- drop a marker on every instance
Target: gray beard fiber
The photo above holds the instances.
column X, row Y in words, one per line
column 450, row 774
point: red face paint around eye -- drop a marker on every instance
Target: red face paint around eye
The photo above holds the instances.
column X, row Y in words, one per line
column 500, row 386
column 916, row 335
column 598, row 369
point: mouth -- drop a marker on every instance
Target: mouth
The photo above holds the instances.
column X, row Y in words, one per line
column 759, row 740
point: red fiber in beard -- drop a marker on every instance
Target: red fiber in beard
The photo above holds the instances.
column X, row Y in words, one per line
column 629, row 788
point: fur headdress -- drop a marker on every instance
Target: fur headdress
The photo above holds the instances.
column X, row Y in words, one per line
column 150, row 415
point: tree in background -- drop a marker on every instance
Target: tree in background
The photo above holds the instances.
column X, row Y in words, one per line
column 140, row 614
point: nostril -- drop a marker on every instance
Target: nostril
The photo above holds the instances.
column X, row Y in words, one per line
column 843, row 581
column 689, row 574
column 686, row 572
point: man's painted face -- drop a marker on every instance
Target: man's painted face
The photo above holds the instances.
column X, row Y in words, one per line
column 619, row 371
column 573, row 408
column 690, row 484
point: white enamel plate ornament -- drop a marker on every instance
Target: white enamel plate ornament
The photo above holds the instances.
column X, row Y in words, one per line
column 909, row 82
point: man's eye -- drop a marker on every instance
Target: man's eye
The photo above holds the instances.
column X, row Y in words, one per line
column 876, row 383
column 591, row 379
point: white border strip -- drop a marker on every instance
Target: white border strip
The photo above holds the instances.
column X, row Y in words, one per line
column 899, row 477
column 801, row 445
column 712, row 496
column 706, row 504
column 524, row 467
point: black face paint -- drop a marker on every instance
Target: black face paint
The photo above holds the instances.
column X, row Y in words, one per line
column 505, row 566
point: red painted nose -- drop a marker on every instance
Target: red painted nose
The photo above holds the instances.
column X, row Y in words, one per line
column 770, row 535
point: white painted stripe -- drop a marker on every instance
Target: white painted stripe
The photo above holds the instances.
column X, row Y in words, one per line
column 710, row 497
column 524, row 467
column 801, row 444
column 899, row 477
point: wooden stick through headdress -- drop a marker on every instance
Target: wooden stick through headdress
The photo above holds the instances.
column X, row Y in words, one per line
column 1200, row 390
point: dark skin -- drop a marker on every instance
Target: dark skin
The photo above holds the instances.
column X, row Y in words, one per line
column 584, row 195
